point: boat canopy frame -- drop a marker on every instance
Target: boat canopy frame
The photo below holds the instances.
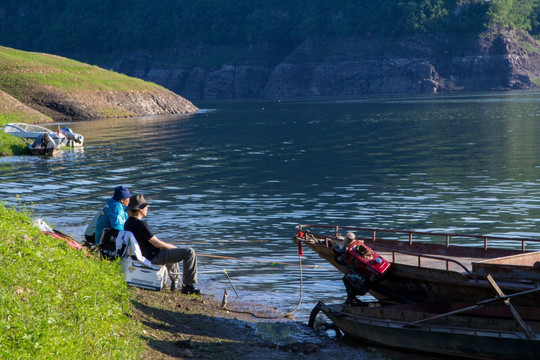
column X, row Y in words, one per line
column 410, row 233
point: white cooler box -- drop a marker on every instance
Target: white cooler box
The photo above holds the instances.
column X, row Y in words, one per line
column 140, row 275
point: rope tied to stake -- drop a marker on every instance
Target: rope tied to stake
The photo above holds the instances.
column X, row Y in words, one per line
column 224, row 305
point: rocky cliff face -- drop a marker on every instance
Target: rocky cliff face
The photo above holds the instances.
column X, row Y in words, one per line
column 352, row 66
column 86, row 105
column 77, row 105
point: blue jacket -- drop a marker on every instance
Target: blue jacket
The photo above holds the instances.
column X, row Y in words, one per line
column 112, row 216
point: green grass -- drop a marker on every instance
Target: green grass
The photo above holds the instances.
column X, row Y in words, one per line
column 529, row 48
column 21, row 70
column 38, row 80
column 536, row 80
column 58, row 303
column 11, row 117
column 9, row 144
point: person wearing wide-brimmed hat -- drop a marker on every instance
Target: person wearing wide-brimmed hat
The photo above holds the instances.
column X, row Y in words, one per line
column 160, row 252
column 112, row 216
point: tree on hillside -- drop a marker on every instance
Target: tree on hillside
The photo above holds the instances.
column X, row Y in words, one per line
column 421, row 15
column 68, row 26
column 512, row 13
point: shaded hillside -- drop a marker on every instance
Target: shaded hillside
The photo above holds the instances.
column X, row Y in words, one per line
column 65, row 89
column 345, row 66
column 105, row 26
column 225, row 49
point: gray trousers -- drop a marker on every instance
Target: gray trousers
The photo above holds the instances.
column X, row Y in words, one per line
column 171, row 257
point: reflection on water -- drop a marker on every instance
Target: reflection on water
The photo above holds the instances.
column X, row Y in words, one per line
column 233, row 182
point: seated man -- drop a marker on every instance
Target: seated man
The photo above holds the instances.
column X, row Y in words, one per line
column 160, row 252
column 112, row 217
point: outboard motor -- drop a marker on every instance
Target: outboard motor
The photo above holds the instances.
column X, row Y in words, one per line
column 71, row 136
column 44, row 141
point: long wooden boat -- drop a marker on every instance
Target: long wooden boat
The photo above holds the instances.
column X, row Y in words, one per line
column 442, row 329
column 431, row 267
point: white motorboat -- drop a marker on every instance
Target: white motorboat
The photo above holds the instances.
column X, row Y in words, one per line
column 32, row 132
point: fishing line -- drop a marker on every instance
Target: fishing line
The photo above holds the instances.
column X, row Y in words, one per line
column 187, row 243
column 265, row 261
column 243, row 272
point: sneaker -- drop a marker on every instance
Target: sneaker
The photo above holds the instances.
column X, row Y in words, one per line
column 174, row 285
column 190, row 289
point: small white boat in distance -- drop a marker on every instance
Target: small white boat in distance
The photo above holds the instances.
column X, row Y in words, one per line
column 32, row 132
column 71, row 138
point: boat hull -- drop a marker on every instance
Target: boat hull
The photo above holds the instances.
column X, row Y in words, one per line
column 477, row 340
column 409, row 284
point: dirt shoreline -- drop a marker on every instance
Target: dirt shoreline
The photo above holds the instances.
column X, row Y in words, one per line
column 178, row 326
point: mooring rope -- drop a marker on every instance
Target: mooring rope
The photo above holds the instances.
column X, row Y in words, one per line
column 300, row 254
column 281, row 315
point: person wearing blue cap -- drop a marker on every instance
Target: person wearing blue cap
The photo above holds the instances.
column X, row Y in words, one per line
column 112, row 217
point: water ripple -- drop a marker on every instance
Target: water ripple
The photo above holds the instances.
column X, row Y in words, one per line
column 235, row 181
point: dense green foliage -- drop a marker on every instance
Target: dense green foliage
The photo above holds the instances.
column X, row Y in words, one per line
column 55, row 302
column 61, row 26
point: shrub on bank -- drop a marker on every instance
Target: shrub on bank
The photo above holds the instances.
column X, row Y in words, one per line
column 57, row 303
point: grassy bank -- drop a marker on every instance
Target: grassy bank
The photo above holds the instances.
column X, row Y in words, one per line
column 11, row 145
column 22, row 71
column 39, row 88
column 58, row 303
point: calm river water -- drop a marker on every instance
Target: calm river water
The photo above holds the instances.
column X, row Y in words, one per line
column 234, row 179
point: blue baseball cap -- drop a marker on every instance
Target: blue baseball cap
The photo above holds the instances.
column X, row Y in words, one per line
column 121, row 192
